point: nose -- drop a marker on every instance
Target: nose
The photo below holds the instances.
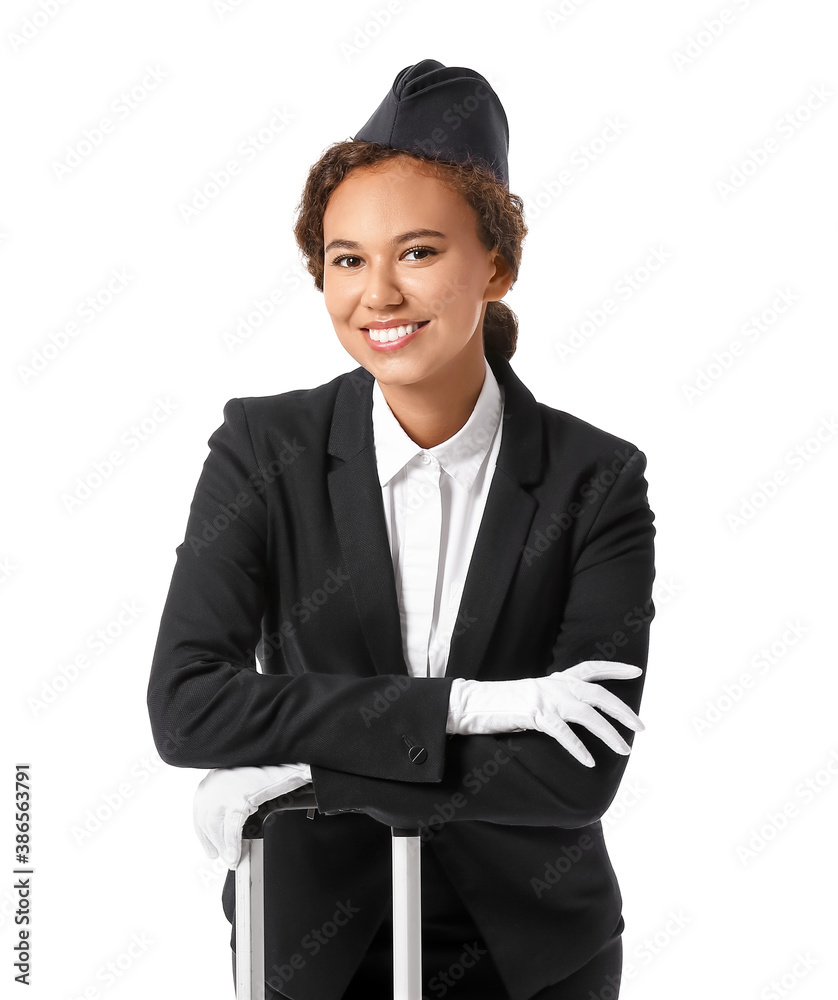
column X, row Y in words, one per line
column 381, row 288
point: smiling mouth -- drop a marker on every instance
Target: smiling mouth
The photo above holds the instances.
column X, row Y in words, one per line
column 394, row 333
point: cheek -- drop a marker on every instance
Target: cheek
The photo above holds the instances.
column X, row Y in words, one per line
column 456, row 291
column 333, row 300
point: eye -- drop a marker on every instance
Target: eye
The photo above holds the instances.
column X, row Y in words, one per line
column 338, row 261
column 421, row 250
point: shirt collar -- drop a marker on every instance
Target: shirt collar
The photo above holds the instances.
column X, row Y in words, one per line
column 460, row 456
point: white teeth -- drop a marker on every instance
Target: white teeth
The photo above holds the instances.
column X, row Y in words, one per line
column 394, row 333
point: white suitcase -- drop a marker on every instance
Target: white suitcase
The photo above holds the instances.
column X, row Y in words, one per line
column 250, row 913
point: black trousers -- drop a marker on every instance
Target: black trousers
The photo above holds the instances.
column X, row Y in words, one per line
column 455, row 959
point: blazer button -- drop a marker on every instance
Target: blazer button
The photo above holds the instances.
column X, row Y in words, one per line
column 417, row 754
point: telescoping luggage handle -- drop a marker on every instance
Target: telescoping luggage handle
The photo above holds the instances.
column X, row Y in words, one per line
column 250, row 903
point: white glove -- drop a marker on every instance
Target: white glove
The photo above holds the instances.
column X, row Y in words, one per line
column 228, row 795
column 547, row 704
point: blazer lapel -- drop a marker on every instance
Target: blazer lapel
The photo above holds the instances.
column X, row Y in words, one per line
column 358, row 508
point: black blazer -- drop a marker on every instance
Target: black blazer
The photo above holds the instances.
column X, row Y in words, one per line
column 286, row 558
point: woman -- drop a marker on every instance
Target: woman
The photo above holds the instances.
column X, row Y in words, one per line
column 425, row 560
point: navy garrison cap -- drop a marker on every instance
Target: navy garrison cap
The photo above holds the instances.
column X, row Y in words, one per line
column 447, row 112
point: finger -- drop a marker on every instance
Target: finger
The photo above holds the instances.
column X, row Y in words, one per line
column 208, row 846
column 603, row 670
column 588, row 717
column 201, row 822
column 564, row 735
column 233, row 825
column 236, row 849
column 607, row 701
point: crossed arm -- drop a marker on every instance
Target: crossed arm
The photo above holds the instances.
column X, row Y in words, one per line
column 210, row 708
column 565, row 767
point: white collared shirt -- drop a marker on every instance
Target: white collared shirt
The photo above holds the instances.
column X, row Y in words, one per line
column 433, row 505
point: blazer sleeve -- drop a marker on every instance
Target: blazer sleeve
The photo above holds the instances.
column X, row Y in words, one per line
column 208, row 704
column 528, row 778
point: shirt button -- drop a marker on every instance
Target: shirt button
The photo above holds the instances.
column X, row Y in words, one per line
column 425, row 458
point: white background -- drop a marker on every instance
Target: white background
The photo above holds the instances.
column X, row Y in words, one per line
column 693, row 107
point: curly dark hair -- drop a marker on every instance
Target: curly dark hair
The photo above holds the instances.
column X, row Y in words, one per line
column 500, row 218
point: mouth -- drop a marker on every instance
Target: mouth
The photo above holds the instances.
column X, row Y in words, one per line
column 394, row 337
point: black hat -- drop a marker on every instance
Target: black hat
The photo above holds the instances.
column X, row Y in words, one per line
column 447, row 112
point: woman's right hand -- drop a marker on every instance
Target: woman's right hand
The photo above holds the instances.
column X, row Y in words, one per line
column 547, row 704
column 226, row 796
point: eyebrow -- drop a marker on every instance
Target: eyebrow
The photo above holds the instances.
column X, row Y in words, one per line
column 413, row 234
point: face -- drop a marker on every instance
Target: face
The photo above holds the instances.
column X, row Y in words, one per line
column 401, row 245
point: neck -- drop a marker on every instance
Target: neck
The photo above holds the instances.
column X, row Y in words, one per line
column 434, row 409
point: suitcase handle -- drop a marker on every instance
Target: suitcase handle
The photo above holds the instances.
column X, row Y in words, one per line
column 300, row 798
column 250, row 912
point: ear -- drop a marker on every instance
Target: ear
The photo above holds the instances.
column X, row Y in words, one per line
column 501, row 280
